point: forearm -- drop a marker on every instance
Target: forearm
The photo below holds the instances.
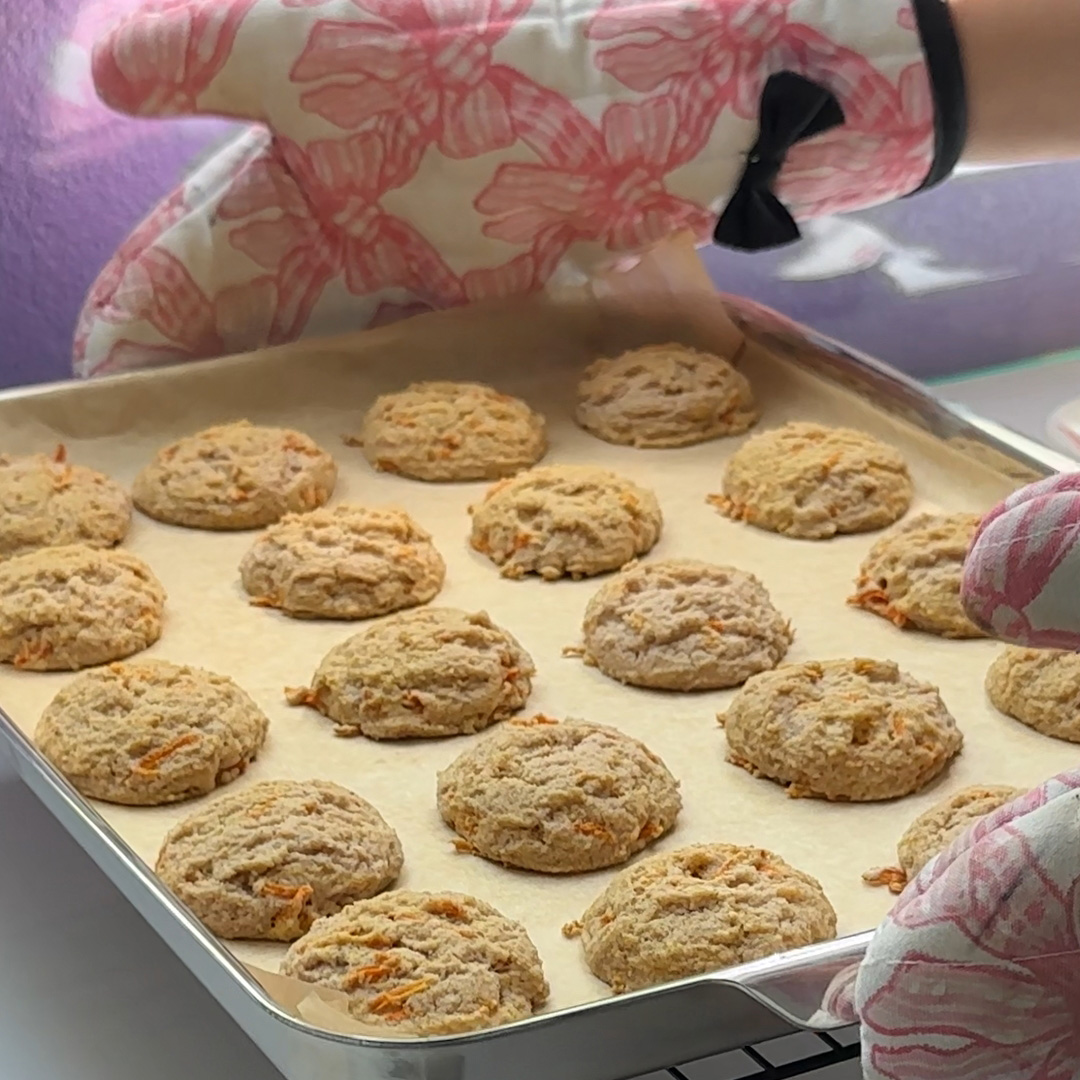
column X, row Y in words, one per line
column 1022, row 65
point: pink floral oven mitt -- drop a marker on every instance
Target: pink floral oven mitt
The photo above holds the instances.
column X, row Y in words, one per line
column 413, row 154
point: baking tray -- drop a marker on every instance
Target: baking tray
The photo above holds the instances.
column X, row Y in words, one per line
column 536, row 350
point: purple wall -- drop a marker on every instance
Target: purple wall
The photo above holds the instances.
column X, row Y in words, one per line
column 982, row 271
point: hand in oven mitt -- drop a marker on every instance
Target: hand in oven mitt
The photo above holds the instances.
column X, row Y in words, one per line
column 415, row 154
column 975, row 974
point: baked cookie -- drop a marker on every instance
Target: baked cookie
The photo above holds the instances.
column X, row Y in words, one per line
column 47, row 502
column 684, row 625
column 343, row 562
column 421, row 674
column 235, row 476
column 565, row 519
column 556, row 797
column 451, row 431
column 65, row 608
column 424, row 963
column 814, row 482
column 912, row 576
column 849, row 730
column 150, row 732
column 664, row 396
column 697, row 910
column 266, row 862
column 935, row 829
column 1038, row 687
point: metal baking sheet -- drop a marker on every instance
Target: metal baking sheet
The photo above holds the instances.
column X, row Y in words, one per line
column 535, row 351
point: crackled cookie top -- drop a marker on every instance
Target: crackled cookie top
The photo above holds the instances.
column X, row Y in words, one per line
column 452, row 431
column 48, row 502
column 557, row 797
column 814, row 482
column 235, row 476
column 561, row 520
column 664, row 396
column 423, row 963
column 682, row 624
column 267, row 861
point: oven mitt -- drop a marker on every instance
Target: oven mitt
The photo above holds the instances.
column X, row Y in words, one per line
column 975, row 974
column 416, row 154
column 1022, row 575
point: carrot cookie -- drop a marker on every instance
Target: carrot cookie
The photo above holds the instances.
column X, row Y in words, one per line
column 697, row 910
column 266, row 862
column 421, row 674
column 664, row 396
column 235, row 476
column 1038, row 687
column 451, row 431
column 935, row 829
column 684, row 625
column 47, row 502
column 150, row 732
column 556, row 797
column 912, row 576
column 814, row 482
column 343, row 562
column 565, row 519
column 423, row 963
column 65, row 608
column 850, row 730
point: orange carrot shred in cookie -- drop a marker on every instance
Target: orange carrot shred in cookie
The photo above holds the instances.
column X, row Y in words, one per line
column 389, row 1002
column 148, row 764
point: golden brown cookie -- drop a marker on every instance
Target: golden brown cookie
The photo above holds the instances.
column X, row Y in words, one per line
column 266, row 862
column 912, row 576
column 235, row 476
column 935, row 829
column 664, row 396
column 697, row 910
column 814, row 482
column 423, row 963
column 556, row 797
column 343, row 562
column 65, row 608
column 850, row 730
column 565, row 520
column 682, row 624
column 421, row 674
column 1038, row 687
column 149, row 732
column 48, row 502
column 451, row 431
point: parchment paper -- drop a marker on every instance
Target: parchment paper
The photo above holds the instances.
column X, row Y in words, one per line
column 535, row 351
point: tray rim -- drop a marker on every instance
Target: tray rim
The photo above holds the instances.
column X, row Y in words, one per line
column 883, row 386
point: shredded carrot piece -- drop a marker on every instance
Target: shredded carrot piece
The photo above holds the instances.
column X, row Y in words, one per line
column 650, row 831
column 60, row 454
column 302, row 695
column 390, row 1002
column 447, row 908
column 285, row 892
column 891, row 876
column 148, row 764
column 263, row 601
column 522, row 540
column 30, row 652
column 383, row 968
column 532, row 721
column 715, row 624
column 729, row 508
column 591, row 828
column 877, row 601
column 463, row 847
